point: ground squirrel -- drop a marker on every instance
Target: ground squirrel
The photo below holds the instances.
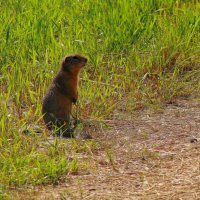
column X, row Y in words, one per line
column 57, row 104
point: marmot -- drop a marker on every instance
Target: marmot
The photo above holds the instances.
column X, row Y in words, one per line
column 57, row 104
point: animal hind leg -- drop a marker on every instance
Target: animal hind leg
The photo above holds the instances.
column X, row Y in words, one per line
column 67, row 131
column 60, row 126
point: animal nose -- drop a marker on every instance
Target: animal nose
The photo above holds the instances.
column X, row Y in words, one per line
column 85, row 60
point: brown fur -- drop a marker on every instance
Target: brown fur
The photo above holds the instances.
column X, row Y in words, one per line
column 57, row 104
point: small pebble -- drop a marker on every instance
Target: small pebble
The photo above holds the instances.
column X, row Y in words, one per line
column 193, row 140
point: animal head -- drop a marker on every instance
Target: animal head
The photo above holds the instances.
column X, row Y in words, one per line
column 73, row 63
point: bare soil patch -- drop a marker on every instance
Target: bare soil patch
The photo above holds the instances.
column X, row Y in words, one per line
column 145, row 155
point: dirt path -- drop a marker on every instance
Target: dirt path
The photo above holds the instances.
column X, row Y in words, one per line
column 147, row 156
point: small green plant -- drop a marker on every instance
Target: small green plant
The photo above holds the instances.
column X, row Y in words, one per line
column 149, row 154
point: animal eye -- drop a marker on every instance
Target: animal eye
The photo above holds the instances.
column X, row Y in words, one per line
column 75, row 57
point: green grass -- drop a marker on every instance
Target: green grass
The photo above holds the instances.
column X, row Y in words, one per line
column 141, row 53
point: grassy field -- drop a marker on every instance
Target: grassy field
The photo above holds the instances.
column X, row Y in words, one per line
column 141, row 54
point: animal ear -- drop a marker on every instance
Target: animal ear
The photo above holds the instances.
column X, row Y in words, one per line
column 66, row 59
column 65, row 64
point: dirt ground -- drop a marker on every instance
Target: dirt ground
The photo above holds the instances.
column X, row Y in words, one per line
column 146, row 155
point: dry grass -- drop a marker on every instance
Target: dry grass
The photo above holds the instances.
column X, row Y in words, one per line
column 154, row 156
